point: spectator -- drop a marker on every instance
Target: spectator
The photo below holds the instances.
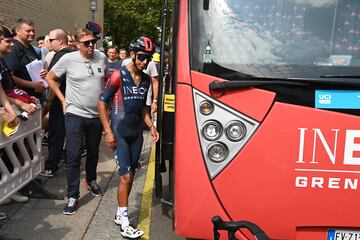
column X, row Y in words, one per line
column 22, row 54
column 50, row 53
column 128, row 113
column 152, row 96
column 40, row 41
column 6, row 38
column 126, row 61
column 9, row 115
column 71, row 41
column 113, row 62
column 122, row 54
column 85, row 72
column 16, row 96
column 56, row 130
column 156, row 60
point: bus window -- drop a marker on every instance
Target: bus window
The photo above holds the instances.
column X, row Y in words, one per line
column 284, row 38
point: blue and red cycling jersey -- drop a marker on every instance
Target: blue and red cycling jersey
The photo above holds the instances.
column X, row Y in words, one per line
column 128, row 99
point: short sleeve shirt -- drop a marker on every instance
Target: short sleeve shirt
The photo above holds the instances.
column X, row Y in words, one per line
column 6, row 80
column 128, row 99
column 84, row 82
column 113, row 66
column 17, row 60
column 151, row 69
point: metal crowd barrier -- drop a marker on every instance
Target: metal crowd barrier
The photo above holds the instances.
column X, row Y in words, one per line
column 27, row 160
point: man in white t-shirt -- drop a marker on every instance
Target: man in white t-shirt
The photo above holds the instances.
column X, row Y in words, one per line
column 85, row 71
column 153, row 93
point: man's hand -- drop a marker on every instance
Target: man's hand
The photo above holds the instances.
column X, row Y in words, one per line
column 154, row 107
column 63, row 104
column 29, row 108
column 154, row 133
column 38, row 86
column 43, row 73
column 10, row 118
column 110, row 139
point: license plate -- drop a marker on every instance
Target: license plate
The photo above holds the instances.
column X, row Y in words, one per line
column 343, row 235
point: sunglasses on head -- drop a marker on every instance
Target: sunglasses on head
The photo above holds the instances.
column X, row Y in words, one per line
column 142, row 56
column 87, row 43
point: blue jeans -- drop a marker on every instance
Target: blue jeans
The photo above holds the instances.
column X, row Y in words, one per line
column 56, row 137
column 76, row 128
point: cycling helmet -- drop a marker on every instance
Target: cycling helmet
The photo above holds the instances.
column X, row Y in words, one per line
column 143, row 44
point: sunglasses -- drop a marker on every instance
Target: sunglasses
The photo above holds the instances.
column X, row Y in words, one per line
column 90, row 70
column 142, row 56
column 51, row 40
column 87, row 43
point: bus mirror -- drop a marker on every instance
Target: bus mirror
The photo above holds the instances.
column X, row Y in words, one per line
column 206, row 5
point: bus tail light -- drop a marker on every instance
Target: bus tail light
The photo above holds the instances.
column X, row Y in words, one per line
column 223, row 132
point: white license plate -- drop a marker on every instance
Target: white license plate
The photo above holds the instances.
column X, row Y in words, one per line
column 343, row 235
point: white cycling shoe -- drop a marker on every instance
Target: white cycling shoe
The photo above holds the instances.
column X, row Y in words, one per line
column 130, row 232
column 117, row 220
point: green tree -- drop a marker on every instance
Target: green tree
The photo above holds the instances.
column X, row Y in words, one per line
column 127, row 19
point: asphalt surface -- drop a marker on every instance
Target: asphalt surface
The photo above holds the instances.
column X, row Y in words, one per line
column 42, row 219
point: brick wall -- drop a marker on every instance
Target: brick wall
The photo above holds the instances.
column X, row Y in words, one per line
column 50, row 14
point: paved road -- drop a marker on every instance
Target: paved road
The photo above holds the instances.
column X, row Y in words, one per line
column 42, row 219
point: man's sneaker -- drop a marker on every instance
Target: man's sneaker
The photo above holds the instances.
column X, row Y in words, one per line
column 131, row 232
column 71, row 206
column 83, row 151
column 47, row 173
column 45, row 141
column 17, row 197
column 117, row 220
column 93, row 187
column 3, row 216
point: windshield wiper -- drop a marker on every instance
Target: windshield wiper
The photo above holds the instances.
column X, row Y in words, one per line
column 340, row 76
column 253, row 81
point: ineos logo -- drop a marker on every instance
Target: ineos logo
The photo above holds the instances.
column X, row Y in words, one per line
column 330, row 178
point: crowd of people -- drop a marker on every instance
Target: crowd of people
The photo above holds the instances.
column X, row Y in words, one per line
column 74, row 121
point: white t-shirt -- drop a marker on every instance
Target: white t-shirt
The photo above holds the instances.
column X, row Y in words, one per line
column 151, row 70
column 85, row 82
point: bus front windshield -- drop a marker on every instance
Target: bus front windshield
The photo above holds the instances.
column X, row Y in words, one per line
column 276, row 38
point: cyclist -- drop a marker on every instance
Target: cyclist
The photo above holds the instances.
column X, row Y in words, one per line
column 127, row 88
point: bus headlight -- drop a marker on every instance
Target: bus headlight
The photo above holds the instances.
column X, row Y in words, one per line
column 235, row 131
column 212, row 130
column 206, row 107
column 217, row 152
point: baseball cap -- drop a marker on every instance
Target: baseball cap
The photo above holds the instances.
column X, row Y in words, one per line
column 6, row 32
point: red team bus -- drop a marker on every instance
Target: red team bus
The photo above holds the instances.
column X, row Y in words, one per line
column 265, row 126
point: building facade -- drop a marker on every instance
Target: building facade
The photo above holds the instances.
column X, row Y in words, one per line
column 47, row 15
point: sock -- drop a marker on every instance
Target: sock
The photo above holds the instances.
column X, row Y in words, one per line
column 118, row 212
column 124, row 217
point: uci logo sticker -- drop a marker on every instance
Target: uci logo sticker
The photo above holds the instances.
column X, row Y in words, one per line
column 324, row 98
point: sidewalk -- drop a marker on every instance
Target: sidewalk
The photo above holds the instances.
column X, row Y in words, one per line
column 42, row 219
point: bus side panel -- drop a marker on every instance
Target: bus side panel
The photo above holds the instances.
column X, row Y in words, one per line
column 195, row 200
column 292, row 173
column 254, row 103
